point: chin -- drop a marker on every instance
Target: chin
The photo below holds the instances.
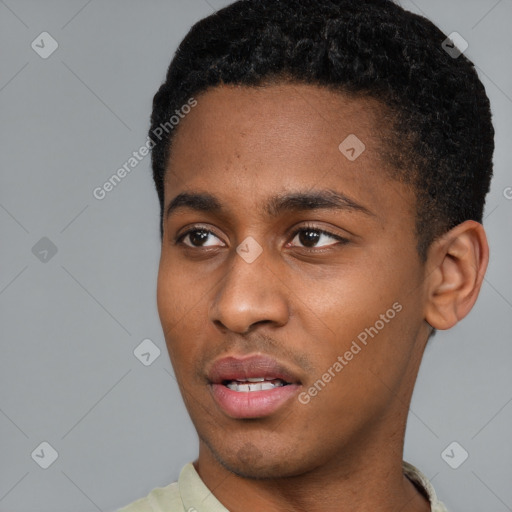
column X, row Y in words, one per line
column 258, row 462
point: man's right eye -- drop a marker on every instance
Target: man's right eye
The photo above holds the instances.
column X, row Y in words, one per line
column 197, row 237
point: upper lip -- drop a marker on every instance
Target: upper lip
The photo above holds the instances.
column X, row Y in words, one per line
column 233, row 368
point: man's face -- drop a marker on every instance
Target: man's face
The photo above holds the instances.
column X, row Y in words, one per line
column 300, row 285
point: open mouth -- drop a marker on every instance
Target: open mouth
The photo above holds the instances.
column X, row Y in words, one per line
column 254, row 384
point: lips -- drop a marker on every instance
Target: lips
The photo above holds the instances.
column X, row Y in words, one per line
column 254, row 367
column 251, row 387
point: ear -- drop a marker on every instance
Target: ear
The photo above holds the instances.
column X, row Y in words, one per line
column 456, row 264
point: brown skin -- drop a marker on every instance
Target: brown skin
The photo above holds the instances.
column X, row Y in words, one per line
column 303, row 304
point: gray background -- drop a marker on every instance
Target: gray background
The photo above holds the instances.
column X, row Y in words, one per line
column 70, row 324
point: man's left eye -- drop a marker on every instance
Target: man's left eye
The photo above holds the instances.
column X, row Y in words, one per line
column 308, row 237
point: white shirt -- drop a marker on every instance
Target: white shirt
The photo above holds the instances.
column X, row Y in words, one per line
column 190, row 494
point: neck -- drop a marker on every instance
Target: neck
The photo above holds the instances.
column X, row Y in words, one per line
column 363, row 476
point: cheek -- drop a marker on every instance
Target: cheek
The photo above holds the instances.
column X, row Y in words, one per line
column 177, row 290
column 369, row 311
column 345, row 301
column 166, row 298
column 182, row 300
column 175, row 302
column 376, row 328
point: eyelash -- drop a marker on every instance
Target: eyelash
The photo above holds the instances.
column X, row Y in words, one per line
column 342, row 241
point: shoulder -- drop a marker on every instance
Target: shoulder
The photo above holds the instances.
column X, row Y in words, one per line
column 160, row 499
column 422, row 482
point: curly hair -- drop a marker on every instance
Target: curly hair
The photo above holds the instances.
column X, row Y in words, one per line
column 440, row 137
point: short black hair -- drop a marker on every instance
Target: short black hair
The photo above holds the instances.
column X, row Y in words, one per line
column 438, row 130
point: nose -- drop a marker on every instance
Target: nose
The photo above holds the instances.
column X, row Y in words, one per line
column 249, row 294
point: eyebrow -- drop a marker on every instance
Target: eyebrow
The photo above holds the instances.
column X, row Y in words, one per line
column 275, row 206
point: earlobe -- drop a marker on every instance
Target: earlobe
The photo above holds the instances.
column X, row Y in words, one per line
column 457, row 263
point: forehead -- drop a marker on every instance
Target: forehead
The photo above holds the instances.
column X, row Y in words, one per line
column 278, row 120
column 253, row 142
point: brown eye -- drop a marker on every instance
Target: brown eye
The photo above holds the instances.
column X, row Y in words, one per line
column 310, row 237
column 197, row 238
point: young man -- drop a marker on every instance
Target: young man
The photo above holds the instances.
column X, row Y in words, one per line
column 322, row 170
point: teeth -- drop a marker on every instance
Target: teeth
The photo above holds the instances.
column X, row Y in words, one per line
column 254, row 379
column 260, row 385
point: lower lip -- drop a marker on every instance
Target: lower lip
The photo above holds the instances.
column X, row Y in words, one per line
column 252, row 404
